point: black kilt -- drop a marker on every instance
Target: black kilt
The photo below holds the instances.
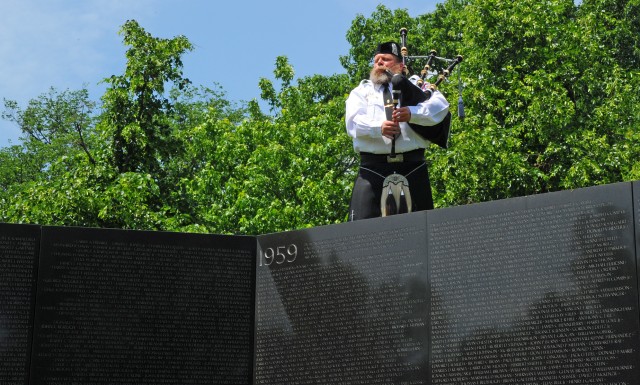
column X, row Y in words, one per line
column 367, row 189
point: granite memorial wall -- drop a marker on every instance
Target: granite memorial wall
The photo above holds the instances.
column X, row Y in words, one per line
column 128, row 307
column 536, row 290
column 533, row 290
column 18, row 268
column 344, row 304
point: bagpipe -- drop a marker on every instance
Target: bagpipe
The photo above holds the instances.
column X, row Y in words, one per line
column 412, row 90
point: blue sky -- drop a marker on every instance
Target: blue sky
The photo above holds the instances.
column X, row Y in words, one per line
column 70, row 44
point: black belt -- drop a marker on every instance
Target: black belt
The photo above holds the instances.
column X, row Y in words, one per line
column 409, row 156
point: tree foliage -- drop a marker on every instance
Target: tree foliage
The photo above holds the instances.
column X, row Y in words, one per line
column 136, row 110
column 548, row 93
column 551, row 103
column 273, row 173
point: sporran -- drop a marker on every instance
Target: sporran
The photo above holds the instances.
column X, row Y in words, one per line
column 396, row 197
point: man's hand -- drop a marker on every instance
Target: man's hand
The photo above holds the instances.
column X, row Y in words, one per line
column 402, row 114
column 390, row 129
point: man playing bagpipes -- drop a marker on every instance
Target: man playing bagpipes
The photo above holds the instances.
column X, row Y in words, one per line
column 384, row 118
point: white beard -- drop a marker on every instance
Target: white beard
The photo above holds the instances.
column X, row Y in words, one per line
column 379, row 77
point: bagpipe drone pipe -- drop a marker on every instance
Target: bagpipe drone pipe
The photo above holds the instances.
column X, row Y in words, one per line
column 415, row 90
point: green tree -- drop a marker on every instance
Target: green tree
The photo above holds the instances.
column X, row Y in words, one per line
column 58, row 131
column 275, row 172
column 124, row 181
column 136, row 109
column 551, row 99
column 548, row 90
column 366, row 33
column 203, row 164
column 54, row 124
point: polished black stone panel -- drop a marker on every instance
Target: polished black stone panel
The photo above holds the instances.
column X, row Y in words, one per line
column 636, row 207
column 133, row 307
column 343, row 304
column 535, row 290
column 18, row 260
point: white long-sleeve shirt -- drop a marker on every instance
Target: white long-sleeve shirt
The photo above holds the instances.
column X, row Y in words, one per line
column 365, row 114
